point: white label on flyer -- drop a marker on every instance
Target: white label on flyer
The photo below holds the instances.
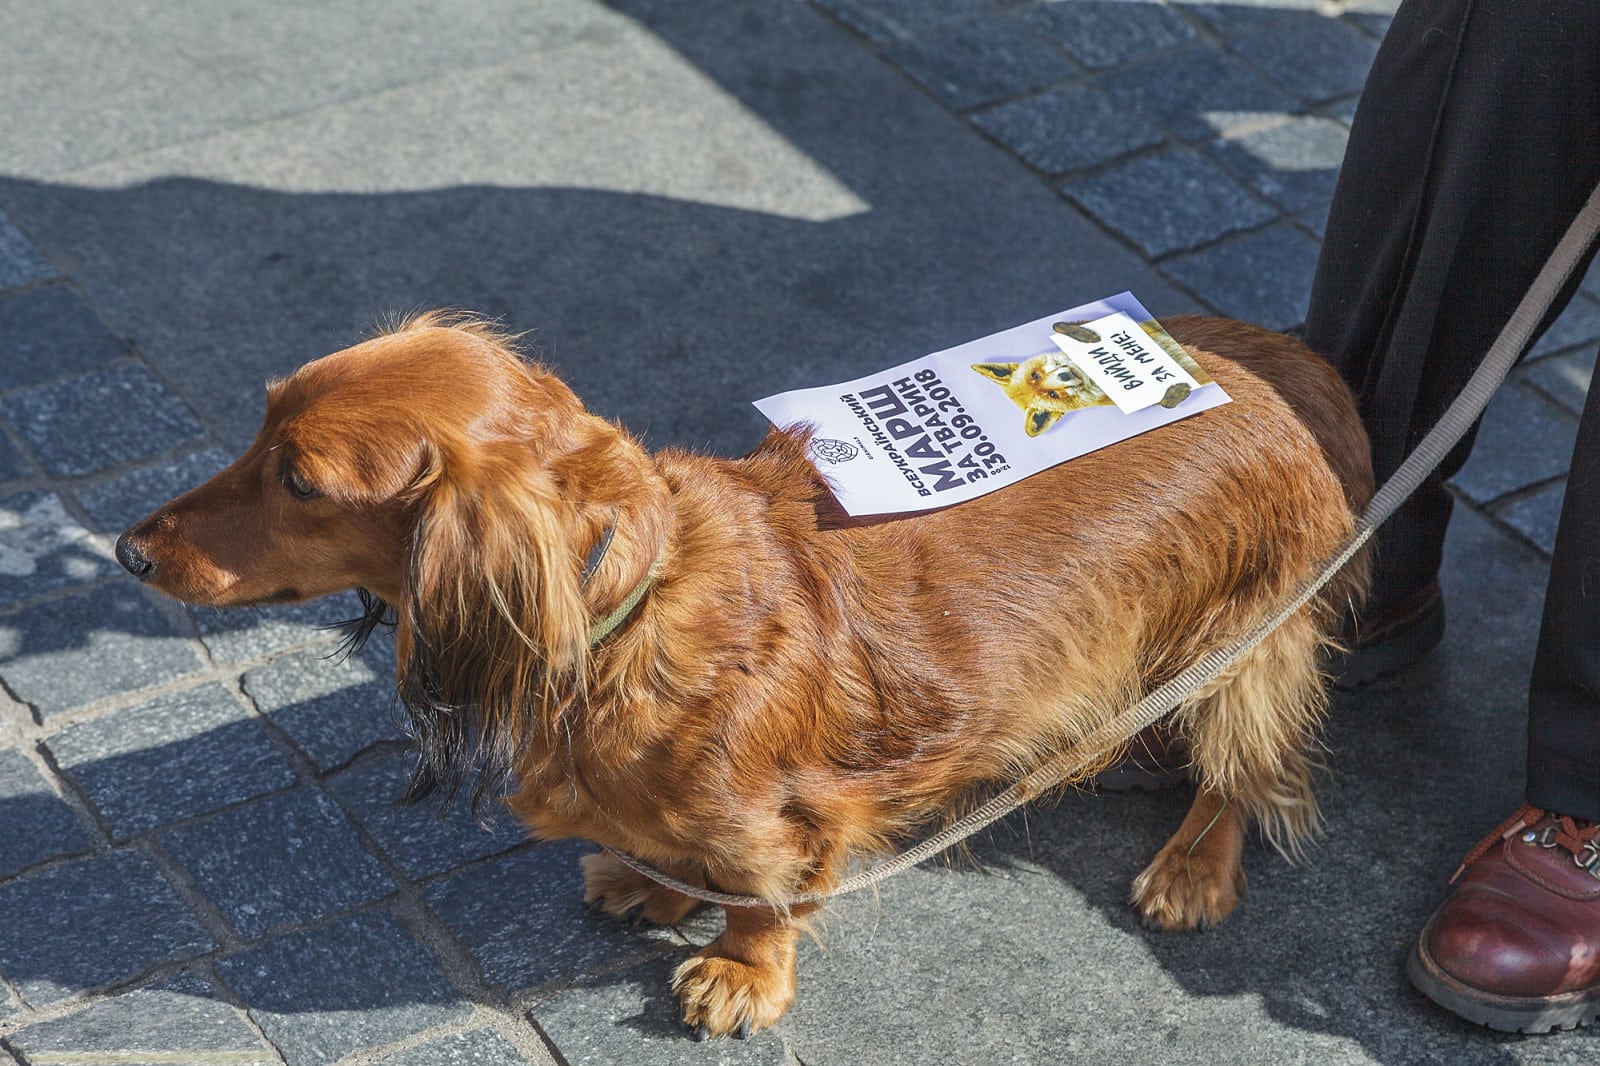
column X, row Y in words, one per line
column 1125, row 362
column 960, row 423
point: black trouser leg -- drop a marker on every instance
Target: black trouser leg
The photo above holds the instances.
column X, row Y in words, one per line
column 1476, row 141
column 1564, row 697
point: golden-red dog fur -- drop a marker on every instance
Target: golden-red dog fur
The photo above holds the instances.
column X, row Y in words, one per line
column 795, row 688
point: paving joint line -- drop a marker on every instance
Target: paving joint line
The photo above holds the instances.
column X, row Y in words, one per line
column 207, row 972
column 1204, row 36
column 68, row 789
column 210, row 917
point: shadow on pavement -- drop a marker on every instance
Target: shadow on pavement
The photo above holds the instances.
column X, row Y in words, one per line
column 669, row 316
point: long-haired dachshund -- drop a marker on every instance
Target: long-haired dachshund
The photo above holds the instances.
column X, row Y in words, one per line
column 703, row 663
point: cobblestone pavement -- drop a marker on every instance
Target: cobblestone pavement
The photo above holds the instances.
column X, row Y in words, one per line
column 200, row 860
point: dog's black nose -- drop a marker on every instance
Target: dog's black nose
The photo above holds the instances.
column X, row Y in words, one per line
column 129, row 555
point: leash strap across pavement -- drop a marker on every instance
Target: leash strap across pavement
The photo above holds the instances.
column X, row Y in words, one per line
column 1513, row 340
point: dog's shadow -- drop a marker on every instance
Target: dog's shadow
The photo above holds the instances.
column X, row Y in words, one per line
column 1319, row 945
column 1419, row 768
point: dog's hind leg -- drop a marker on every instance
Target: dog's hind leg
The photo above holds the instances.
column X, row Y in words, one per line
column 1250, row 734
column 613, row 887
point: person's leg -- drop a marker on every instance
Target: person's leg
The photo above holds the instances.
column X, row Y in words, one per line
column 1477, row 140
column 1564, row 696
column 1465, row 163
column 1516, row 945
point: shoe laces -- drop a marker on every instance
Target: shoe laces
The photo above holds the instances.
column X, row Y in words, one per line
column 1579, row 838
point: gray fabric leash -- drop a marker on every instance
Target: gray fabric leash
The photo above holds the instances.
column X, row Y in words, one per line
column 1513, row 340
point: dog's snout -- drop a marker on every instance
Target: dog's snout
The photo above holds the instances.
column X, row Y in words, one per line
column 132, row 556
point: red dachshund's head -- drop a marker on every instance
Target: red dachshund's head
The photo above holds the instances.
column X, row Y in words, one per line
column 444, row 475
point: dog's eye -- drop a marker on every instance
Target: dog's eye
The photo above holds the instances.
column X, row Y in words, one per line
column 298, row 486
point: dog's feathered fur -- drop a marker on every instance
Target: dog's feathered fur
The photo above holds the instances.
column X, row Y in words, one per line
column 796, row 687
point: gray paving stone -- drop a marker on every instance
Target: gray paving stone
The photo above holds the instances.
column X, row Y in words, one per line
column 1197, row 92
column 1372, row 8
column 12, row 463
column 886, row 21
column 979, row 61
column 1168, row 201
column 1103, row 35
column 1293, row 163
column 1578, row 325
column 287, row 859
column 1315, row 219
column 1067, row 128
column 1344, row 111
column 480, row 1047
column 1536, row 516
column 35, row 822
column 239, row 634
column 1374, row 23
column 633, row 1017
column 162, row 79
column 321, row 994
column 73, row 650
column 416, row 837
column 50, row 333
column 1262, row 277
column 1315, row 58
column 1563, row 378
column 1239, row 17
column 43, row 548
column 1014, row 1018
column 1591, row 280
column 91, row 923
column 1523, row 440
column 175, row 1021
column 522, row 917
column 86, row 423
column 118, row 502
column 334, row 709
column 20, row 263
column 176, row 756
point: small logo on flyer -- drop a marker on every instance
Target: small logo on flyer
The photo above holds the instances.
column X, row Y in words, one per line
column 833, row 451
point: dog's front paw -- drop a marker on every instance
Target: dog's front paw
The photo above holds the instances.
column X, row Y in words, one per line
column 1187, row 888
column 617, row 890
column 722, row 996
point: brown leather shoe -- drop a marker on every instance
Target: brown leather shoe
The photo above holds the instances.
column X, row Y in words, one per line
column 1516, row 945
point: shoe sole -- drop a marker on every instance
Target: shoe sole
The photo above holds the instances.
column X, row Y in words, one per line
column 1508, row 1014
column 1370, row 663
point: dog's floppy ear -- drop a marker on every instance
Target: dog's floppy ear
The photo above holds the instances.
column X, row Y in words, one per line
column 1000, row 372
column 493, row 614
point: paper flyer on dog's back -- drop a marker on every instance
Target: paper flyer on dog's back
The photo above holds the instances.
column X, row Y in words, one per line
column 959, row 423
